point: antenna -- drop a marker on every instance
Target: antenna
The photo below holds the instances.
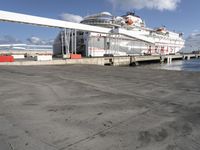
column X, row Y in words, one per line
column 131, row 12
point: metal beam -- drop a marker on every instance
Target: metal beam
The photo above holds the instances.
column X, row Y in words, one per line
column 41, row 21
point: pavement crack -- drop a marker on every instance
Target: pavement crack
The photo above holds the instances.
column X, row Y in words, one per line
column 11, row 146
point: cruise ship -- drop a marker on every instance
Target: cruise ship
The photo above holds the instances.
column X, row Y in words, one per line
column 127, row 35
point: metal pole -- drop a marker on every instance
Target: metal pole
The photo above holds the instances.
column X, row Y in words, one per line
column 65, row 42
column 117, row 43
column 68, row 41
column 62, row 43
column 91, row 52
column 110, row 43
column 72, row 37
column 75, row 34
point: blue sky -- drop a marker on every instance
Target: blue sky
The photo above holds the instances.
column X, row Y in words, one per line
column 179, row 15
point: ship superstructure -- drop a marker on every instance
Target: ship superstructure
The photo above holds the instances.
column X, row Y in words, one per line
column 128, row 35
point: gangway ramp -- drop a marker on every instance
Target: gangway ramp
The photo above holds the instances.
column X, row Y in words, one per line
column 42, row 21
column 132, row 34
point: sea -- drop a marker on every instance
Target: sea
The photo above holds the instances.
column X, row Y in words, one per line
column 178, row 65
column 185, row 65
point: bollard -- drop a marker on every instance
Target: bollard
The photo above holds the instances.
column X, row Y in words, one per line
column 169, row 60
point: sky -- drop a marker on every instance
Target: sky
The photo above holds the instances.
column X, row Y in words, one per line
column 179, row 15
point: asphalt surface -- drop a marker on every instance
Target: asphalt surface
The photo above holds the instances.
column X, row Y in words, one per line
column 78, row 107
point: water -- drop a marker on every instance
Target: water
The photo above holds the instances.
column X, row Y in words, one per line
column 187, row 65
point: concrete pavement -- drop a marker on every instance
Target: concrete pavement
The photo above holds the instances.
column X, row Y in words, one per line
column 85, row 107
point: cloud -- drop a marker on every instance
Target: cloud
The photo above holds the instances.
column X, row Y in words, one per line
column 7, row 39
column 192, row 42
column 37, row 41
column 34, row 40
column 150, row 4
column 71, row 17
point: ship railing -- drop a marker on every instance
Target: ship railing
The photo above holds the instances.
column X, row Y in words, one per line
column 101, row 23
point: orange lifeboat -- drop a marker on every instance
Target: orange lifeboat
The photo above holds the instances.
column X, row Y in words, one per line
column 129, row 21
column 161, row 30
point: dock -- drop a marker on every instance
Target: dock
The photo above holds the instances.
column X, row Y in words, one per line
column 115, row 61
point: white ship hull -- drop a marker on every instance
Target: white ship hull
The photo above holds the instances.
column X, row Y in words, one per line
column 124, row 45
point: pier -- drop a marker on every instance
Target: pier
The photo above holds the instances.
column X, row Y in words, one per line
column 170, row 58
column 115, row 61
